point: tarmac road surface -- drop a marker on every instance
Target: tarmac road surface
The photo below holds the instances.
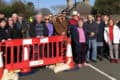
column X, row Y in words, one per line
column 99, row 71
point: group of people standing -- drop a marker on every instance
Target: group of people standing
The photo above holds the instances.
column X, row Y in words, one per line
column 96, row 37
column 90, row 38
column 15, row 27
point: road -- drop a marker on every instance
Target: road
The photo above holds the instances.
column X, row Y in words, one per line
column 87, row 73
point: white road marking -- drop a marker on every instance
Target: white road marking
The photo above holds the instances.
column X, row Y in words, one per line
column 101, row 72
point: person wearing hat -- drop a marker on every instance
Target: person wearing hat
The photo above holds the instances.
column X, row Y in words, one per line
column 74, row 19
column 73, row 23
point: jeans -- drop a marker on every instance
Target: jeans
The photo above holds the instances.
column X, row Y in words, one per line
column 92, row 45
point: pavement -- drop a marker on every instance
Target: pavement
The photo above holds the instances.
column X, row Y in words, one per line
column 102, row 70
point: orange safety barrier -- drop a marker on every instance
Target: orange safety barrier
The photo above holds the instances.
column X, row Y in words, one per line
column 22, row 54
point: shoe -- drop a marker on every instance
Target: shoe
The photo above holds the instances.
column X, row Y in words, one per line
column 112, row 61
column 85, row 64
column 94, row 61
column 80, row 65
column 116, row 61
column 101, row 59
column 87, row 61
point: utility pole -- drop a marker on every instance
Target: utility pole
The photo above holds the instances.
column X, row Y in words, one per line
column 38, row 2
column 75, row 4
column 69, row 4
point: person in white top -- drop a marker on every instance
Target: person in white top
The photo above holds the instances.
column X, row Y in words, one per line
column 112, row 38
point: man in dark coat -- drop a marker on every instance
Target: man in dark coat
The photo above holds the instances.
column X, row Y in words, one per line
column 22, row 23
column 106, row 48
column 38, row 28
column 91, row 28
column 17, row 26
column 100, row 37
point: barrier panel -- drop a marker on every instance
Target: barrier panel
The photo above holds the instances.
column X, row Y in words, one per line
column 22, row 54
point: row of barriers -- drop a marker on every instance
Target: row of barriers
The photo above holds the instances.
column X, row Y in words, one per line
column 23, row 54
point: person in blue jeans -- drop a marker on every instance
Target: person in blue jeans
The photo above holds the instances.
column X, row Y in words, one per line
column 91, row 28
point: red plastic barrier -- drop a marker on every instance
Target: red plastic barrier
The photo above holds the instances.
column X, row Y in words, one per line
column 22, row 54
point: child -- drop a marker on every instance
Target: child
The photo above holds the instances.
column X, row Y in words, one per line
column 82, row 42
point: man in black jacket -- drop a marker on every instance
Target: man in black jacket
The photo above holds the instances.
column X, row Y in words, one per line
column 38, row 28
column 91, row 29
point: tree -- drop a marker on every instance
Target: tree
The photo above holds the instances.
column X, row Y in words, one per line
column 29, row 9
column 58, row 8
column 107, row 6
column 17, row 7
column 45, row 11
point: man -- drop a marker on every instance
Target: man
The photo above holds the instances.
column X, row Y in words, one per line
column 73, row 34
column 100, row 37
column 15, row 17
column 23, row 25
column 37, row 28
column 106, row 48
column 18, row 28
column 91, row 29
column 106, row 19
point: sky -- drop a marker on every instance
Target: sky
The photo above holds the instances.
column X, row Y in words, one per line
column 49, row 3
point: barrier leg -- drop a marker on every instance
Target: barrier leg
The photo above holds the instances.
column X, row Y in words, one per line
column 10, row 75
column 69, row 63
column 1, row 65
column 26, row 59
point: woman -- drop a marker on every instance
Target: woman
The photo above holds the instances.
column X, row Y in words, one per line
column 11, row 29
column 3, row 31
column 82, row 42
column 112, row 38
column 49, row 26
